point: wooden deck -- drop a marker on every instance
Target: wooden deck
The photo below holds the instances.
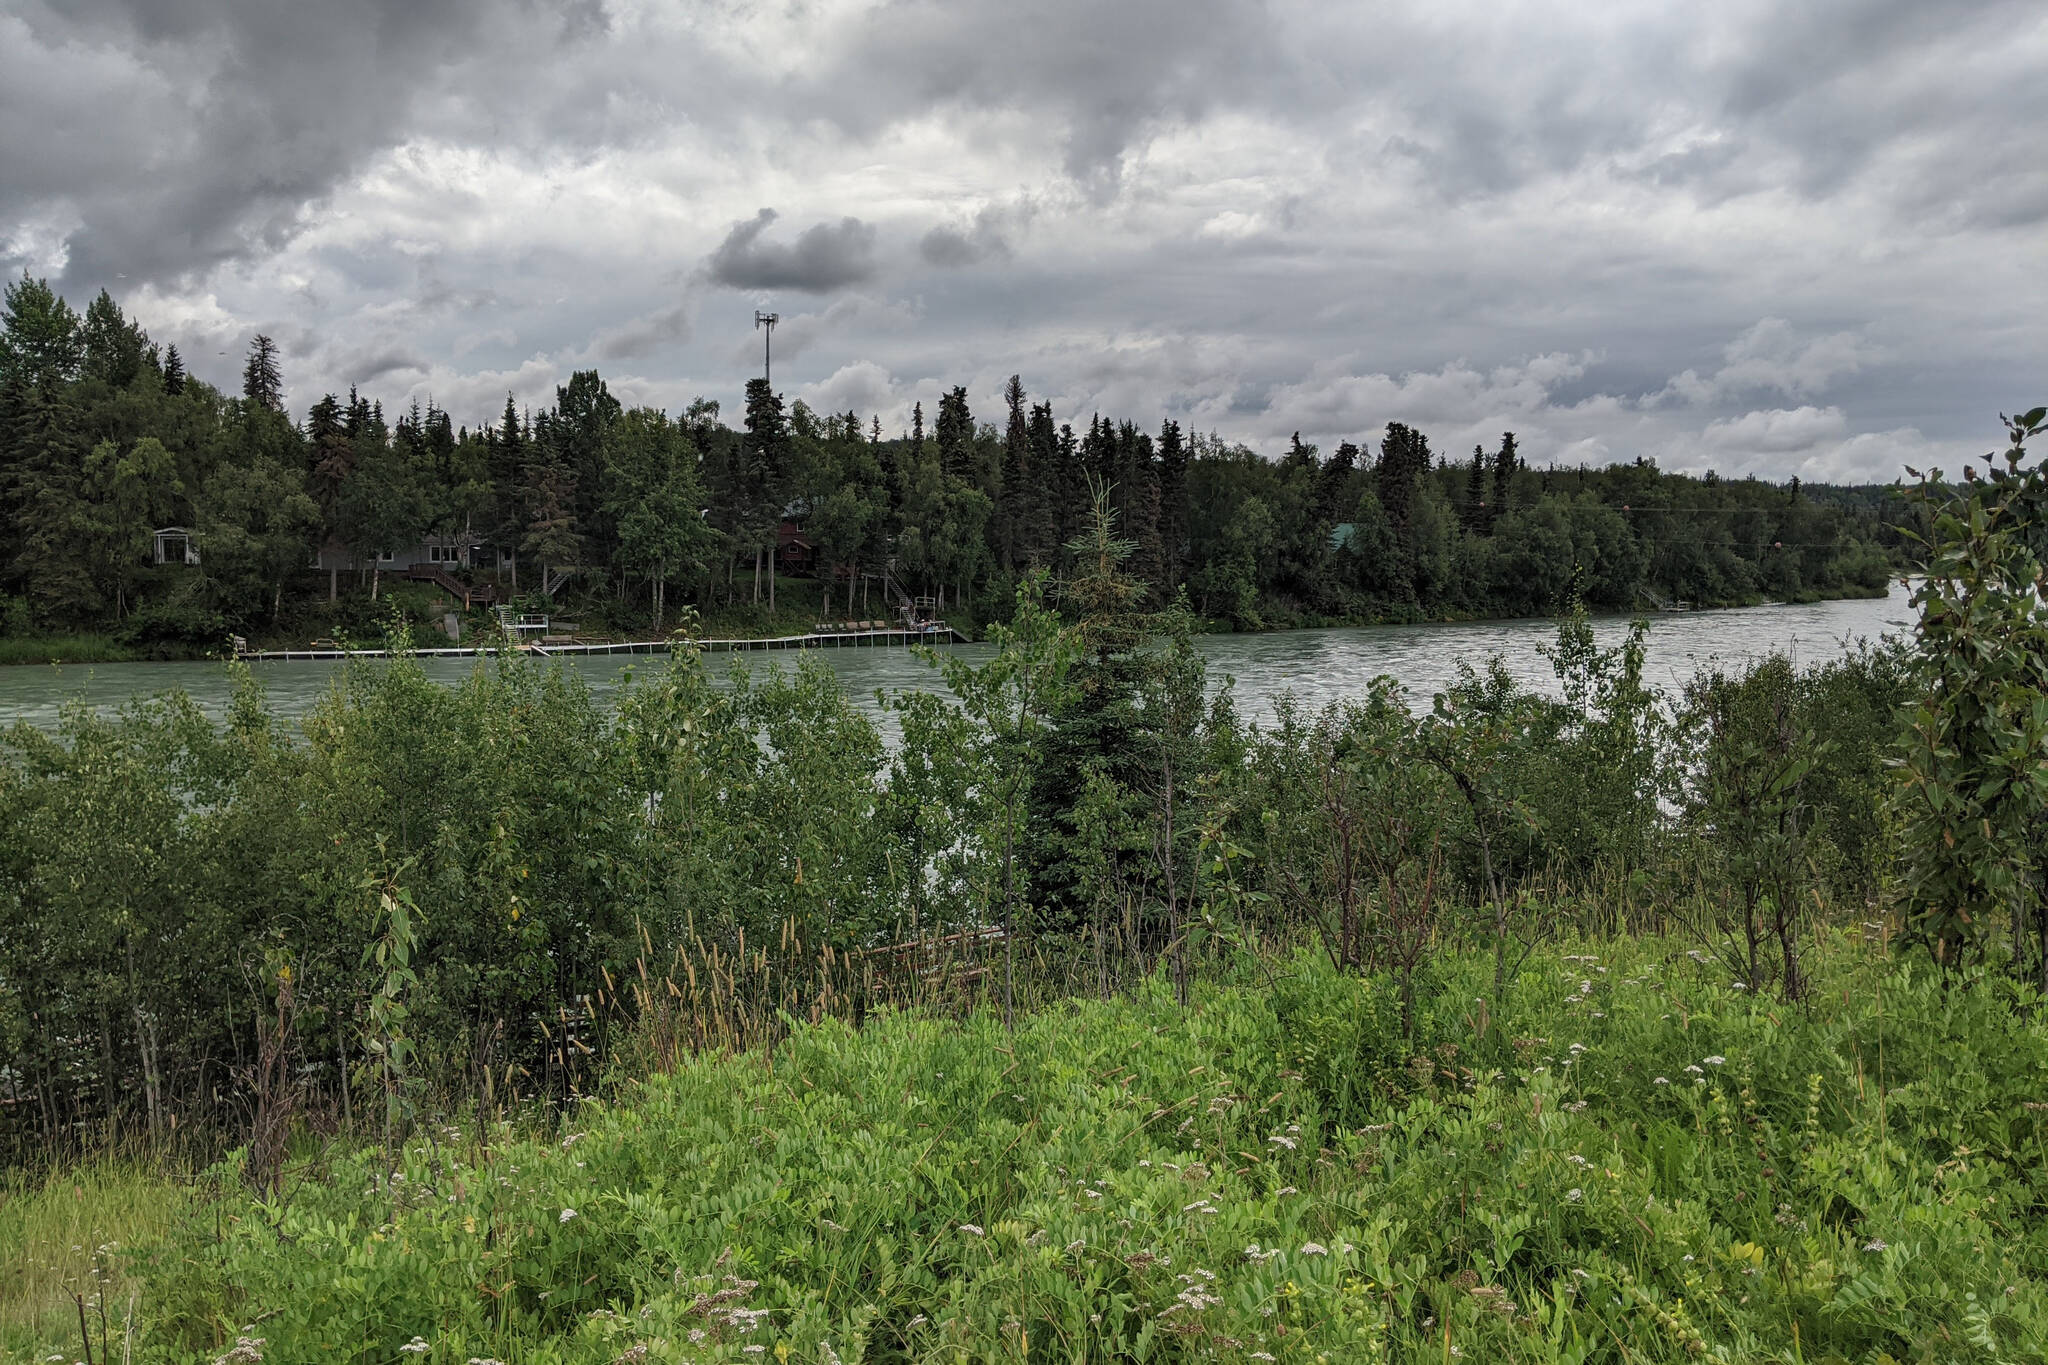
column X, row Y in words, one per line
column 937, row 634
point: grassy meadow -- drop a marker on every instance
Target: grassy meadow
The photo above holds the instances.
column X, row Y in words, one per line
column 1621, row 1159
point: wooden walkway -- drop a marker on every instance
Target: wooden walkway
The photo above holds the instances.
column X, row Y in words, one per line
column 937, row 634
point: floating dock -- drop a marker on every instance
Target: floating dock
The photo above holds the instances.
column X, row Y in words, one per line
column 939, row 634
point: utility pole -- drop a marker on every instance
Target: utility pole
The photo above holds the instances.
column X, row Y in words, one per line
column 767, row 321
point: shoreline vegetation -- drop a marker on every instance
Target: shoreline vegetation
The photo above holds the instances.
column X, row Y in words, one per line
column 159, row 516
column 82, row 648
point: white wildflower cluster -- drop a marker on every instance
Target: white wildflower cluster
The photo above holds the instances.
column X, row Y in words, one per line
column 245, row 1351
column 1573, row 1196
column 973, row 1230
column 1255, row 1253
column 1195, row 1294
column 416, row 1347
column 722, row 1308
column 566, row 1215
column 1314, row 1249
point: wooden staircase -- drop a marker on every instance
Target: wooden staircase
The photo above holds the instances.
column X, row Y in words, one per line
column 481, row 596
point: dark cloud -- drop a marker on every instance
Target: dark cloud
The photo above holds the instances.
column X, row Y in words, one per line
column 1105, row 74
column 197, row 132
column 823, row 258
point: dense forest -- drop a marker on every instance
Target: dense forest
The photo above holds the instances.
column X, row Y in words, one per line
column 625, row 516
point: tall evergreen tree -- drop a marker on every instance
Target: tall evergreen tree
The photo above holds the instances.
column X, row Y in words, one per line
column 1173, row 507
column 41, row 341
column 767, row 471
column 1013, row 517
column 262, row 384
column 1504, row 466
column 1404, row 459
column 1474, row 512
column 955, row 436
column 115, row 349
column 174, row 371
column 1334, row 497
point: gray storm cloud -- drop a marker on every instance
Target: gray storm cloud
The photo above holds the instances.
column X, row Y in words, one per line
column 824, row 256
column 1769, row 239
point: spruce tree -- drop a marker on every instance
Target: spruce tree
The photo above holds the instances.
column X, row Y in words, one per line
column 1504, row 466
column 174, row 371
column 41, row 341
column 1333, row 486
column 261, row 382
column 955, row 436
column 766, row 468
column 115, row 348
column 1173, row 507
column 1012, row 517
column 1475, row 509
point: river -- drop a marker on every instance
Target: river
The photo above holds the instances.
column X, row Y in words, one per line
column 1314, row 665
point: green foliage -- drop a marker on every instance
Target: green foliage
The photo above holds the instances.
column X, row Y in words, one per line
column 1973, row 798
column 103, row 439
column 1625, row 1161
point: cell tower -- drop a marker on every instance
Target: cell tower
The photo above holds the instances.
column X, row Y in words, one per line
column 767, row 321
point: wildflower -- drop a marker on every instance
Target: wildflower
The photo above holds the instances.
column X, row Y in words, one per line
column 1314, row 1249
column 1574, row 1196
column 1663, row 1080
column 1287, row 1189
column 1279, row 1141
column 416, row 1347
column 918, row 1321
column 485, row 1360
column 1093, row 1194
column 1076, row 1246
column 1262, row 1355
column 1874, row 1244
column 567, row 1214
column 246, row 1351
column 1717, row 1061
column 1693, row 1070
column 971, row 1230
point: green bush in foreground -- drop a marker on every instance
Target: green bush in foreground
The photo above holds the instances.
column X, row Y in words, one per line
column 1625, row 1162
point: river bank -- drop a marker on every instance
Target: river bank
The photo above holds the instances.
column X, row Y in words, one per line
column 1312, row 665
column 744, row 622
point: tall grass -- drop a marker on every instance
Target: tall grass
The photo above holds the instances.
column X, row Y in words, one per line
column 1621, row 1159
column 68, row 1244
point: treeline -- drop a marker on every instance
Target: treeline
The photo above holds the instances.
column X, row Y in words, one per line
column 105, row 438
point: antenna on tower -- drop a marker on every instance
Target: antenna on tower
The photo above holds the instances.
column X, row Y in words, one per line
column 767, row 320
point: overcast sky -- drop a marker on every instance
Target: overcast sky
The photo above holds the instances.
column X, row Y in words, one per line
column 1778, row 238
